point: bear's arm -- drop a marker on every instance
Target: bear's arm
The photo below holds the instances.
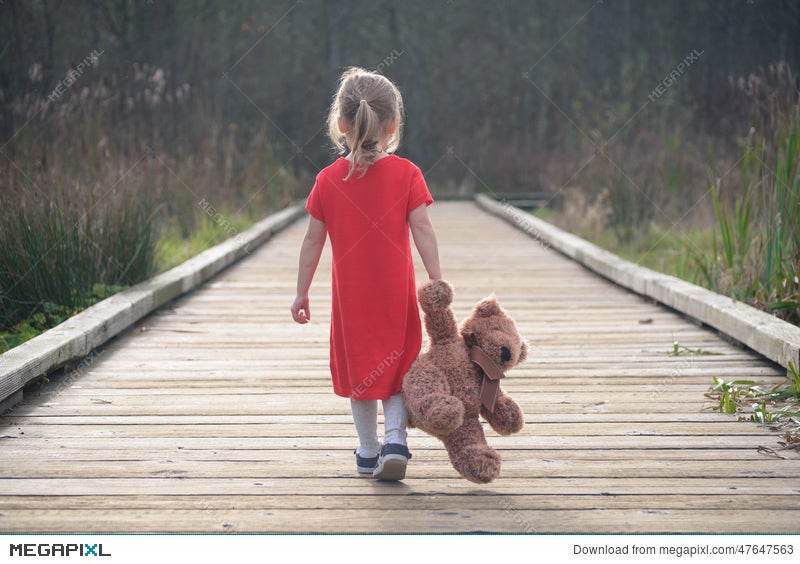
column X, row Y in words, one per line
column 507, row 417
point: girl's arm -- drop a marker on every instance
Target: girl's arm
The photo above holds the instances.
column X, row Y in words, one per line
column 425, row 240
column 310, row 252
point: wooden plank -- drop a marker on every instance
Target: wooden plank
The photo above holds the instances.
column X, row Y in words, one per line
column 603, row 404
column 504, row 519
column 142, row 403
column 347, row 482
column 344, row 443
column 733, row 455
column 565, row 371
column 280, row 464
column 321, row 419
column 361, row 501
column 212, row 429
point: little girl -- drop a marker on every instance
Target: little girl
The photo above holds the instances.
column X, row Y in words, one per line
column 366, row 202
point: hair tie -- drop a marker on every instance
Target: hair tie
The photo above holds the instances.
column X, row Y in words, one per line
column 362, row 101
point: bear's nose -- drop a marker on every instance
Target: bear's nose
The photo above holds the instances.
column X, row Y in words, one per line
column 505, row 354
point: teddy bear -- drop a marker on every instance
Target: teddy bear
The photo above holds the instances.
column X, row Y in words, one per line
column 462, row 364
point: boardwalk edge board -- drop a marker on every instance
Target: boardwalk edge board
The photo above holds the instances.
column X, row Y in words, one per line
column 774, row 338
column 81, row 334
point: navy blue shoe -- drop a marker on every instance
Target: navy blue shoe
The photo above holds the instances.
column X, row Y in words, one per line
column 366, row 465
column 392, row 463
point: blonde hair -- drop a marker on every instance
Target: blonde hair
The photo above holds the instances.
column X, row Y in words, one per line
column 368, row 103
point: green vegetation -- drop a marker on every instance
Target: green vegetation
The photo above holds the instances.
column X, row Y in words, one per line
column 749, row 248
column 666, row 250
column 47, row 315
column 174, row 247
column 778, row 406
column 756, row 241
column 682, row 350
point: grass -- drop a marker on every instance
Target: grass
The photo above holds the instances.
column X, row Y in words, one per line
column 777, row 407
column 175, row 248
column 682, row 350
column 756, row 243
column 667, row 250
column 60, row 248
column 49, row 315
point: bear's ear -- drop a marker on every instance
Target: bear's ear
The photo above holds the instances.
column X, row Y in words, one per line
column 488, row 307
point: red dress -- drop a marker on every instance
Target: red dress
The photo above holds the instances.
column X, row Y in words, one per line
column 376, row 331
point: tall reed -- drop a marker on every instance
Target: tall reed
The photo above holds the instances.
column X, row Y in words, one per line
column 757, row 236
column 58, row 243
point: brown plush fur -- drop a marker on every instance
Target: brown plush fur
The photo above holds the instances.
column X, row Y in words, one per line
column 441, row 389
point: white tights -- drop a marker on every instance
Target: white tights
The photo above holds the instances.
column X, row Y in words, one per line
column 365, row 417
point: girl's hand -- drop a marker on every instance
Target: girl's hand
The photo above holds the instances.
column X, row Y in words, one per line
column 300, row 310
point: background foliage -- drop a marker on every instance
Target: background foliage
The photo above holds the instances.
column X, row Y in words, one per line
column 501, row 84
column 119, row 117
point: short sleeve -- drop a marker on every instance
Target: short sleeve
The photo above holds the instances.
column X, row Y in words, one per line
column 418, row 193
column 314, row 202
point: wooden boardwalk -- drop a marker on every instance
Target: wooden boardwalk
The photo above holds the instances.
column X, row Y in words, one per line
column 215, row 415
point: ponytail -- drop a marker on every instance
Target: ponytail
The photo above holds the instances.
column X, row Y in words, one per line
column 368, row 131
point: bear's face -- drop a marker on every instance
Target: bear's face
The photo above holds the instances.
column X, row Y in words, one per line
column 496, row 333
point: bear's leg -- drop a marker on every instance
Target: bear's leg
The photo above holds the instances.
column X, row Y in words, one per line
column 469, row 453
column 429, row 403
